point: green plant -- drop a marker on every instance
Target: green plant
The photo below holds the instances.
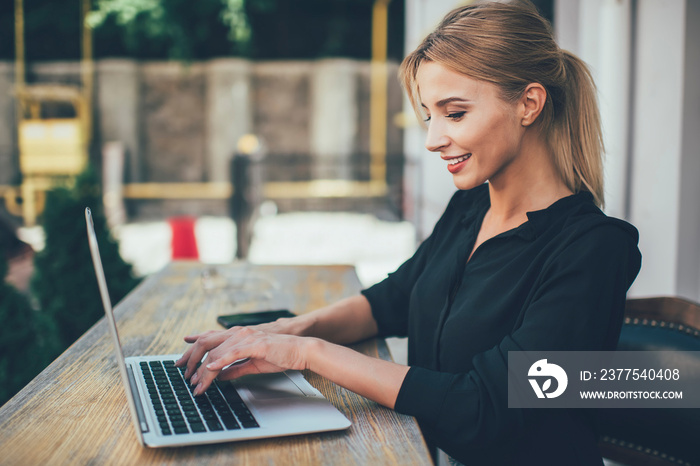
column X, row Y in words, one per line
column 27, row 338
column 64, row 280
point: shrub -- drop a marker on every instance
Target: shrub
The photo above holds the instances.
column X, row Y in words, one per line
column 64, row 280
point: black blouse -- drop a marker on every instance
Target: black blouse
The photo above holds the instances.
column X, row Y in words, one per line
column 555, row 283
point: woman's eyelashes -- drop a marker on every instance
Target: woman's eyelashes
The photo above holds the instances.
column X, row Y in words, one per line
column 452, row 116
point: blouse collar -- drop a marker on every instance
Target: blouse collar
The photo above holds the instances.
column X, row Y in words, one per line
column 538, row 220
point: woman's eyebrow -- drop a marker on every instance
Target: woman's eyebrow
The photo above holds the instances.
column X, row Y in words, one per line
column 443, row 102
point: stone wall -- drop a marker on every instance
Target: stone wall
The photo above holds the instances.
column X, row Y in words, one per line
column 173, row 122
column 181, row 122
column 8, row 128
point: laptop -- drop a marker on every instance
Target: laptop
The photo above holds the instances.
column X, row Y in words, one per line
column 166, row 414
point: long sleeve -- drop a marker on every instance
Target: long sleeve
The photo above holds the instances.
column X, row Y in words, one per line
column 390, row 298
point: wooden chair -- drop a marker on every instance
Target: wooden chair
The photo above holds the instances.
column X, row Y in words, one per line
column 656, row 436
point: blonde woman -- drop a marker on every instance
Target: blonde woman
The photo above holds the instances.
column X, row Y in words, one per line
column 522, row 258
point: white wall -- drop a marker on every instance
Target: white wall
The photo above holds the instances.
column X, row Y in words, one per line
column 656, row 142
column 689, row 225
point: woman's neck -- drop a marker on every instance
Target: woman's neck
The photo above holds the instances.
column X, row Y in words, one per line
column 530, row 182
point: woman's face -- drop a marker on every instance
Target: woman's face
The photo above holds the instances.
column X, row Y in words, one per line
column 469, row 125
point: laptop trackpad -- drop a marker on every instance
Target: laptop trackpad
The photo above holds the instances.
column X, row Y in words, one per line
column 269, row 386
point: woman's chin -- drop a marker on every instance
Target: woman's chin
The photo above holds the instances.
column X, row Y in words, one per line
column 465, row 183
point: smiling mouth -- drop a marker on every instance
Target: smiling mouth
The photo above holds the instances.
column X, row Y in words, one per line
column 456, row 164
column 457, row 160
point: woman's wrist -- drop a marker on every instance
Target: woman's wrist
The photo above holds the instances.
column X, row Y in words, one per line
column 311, row 348
column 303, row 325
column 370, row 377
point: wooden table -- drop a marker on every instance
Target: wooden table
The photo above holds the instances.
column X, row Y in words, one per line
column 75, row 411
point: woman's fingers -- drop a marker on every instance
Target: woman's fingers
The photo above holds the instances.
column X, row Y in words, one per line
column 205, row 375
column 201, row 344
column 203, row 379
column 238, row 370
column 186, row 356
column 224, row 353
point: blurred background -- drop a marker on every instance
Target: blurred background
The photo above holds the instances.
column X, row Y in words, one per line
column 275, row 131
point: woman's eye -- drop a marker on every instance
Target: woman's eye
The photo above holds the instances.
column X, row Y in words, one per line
column 427, row 119
column 456, row 115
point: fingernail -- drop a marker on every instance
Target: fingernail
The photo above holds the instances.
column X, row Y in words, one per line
column 210, row 366
column 193, row 380
column 198, row 390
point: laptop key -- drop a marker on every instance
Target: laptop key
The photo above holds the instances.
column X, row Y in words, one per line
column 181, row 430
column 230, row 422
column 214, row 425
column 198, row 427
column 230, row 393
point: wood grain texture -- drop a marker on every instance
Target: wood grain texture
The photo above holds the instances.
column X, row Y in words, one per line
column 75, row 411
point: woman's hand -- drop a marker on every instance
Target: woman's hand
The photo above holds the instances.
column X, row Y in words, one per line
column 240, row 351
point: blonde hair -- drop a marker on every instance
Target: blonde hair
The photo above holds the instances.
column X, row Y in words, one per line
column 511, row 45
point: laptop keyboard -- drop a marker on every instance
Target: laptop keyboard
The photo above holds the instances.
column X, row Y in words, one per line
column 178, row 411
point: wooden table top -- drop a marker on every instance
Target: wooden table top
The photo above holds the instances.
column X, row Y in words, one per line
column 75, row 411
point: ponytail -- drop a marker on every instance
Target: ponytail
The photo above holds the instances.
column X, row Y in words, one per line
column 575, row 137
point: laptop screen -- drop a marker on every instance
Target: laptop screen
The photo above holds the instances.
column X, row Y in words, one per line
column 112, row 324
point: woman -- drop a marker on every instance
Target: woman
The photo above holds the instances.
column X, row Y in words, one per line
column 522, row 258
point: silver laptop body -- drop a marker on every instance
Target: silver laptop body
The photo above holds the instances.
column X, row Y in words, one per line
column 258, row 406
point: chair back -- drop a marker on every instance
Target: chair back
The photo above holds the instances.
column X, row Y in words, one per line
column 658, row 436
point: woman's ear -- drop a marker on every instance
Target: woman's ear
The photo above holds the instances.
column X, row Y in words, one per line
column 532, row 101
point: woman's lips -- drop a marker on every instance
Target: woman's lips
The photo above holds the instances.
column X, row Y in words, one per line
column 456, row 164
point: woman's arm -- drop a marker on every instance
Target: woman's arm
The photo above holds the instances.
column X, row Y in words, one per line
column 346, row 321
column 299, row 343
column 241, row 351
column 263, row 352
column 373, row 378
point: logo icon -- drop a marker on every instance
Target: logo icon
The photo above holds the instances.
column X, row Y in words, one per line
column 547, row 371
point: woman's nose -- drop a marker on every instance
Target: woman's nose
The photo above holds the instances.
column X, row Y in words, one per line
column 436, row 139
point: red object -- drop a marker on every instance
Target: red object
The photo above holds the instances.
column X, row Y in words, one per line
column 184, row 242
